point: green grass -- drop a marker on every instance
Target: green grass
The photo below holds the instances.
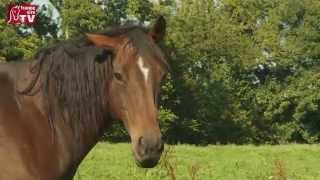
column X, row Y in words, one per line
column 294, row 162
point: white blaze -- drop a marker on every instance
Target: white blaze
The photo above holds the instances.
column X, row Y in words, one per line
column 144, row 70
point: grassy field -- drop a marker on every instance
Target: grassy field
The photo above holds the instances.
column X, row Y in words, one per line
column 294, row 162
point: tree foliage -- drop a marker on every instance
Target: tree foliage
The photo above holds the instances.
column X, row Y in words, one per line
column 80, row 16
column 240, row 70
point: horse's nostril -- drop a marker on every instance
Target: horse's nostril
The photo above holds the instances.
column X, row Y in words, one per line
column 142, row 146
column 149, row 147
column 140, row 141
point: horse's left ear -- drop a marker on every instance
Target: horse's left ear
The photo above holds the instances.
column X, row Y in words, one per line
column 158, row 30
column 105, row 41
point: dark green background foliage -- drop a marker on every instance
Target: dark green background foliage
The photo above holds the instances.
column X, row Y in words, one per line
column 241, row 71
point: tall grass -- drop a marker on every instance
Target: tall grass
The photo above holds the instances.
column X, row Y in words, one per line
column 280, row 170
column 169, row 163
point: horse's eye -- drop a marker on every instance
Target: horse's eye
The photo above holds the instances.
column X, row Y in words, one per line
column 118, row 76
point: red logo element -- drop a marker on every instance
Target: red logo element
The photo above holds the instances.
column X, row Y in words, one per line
column 22, row 13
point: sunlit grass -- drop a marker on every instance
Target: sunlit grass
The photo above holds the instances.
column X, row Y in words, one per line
column 115, row 161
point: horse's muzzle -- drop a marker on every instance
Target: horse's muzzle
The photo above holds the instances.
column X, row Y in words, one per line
column 148, row 151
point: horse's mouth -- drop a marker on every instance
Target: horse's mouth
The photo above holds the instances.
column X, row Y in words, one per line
column 150, row 163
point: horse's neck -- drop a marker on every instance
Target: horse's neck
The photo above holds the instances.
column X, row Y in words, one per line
column 72, row 148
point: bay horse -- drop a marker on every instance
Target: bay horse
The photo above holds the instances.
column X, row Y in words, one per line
column 54, row 109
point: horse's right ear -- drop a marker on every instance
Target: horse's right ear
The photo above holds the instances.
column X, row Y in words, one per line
column 105, row 41
column 158, row 30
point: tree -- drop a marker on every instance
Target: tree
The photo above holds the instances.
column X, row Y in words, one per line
column 140, row 9
column 80, row 16
column 115, row 11
column 46, row 27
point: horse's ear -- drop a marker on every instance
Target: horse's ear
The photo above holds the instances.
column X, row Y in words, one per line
column 104, row 40
column 158, row 30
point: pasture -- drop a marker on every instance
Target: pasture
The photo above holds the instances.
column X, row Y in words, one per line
column 214, row 162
